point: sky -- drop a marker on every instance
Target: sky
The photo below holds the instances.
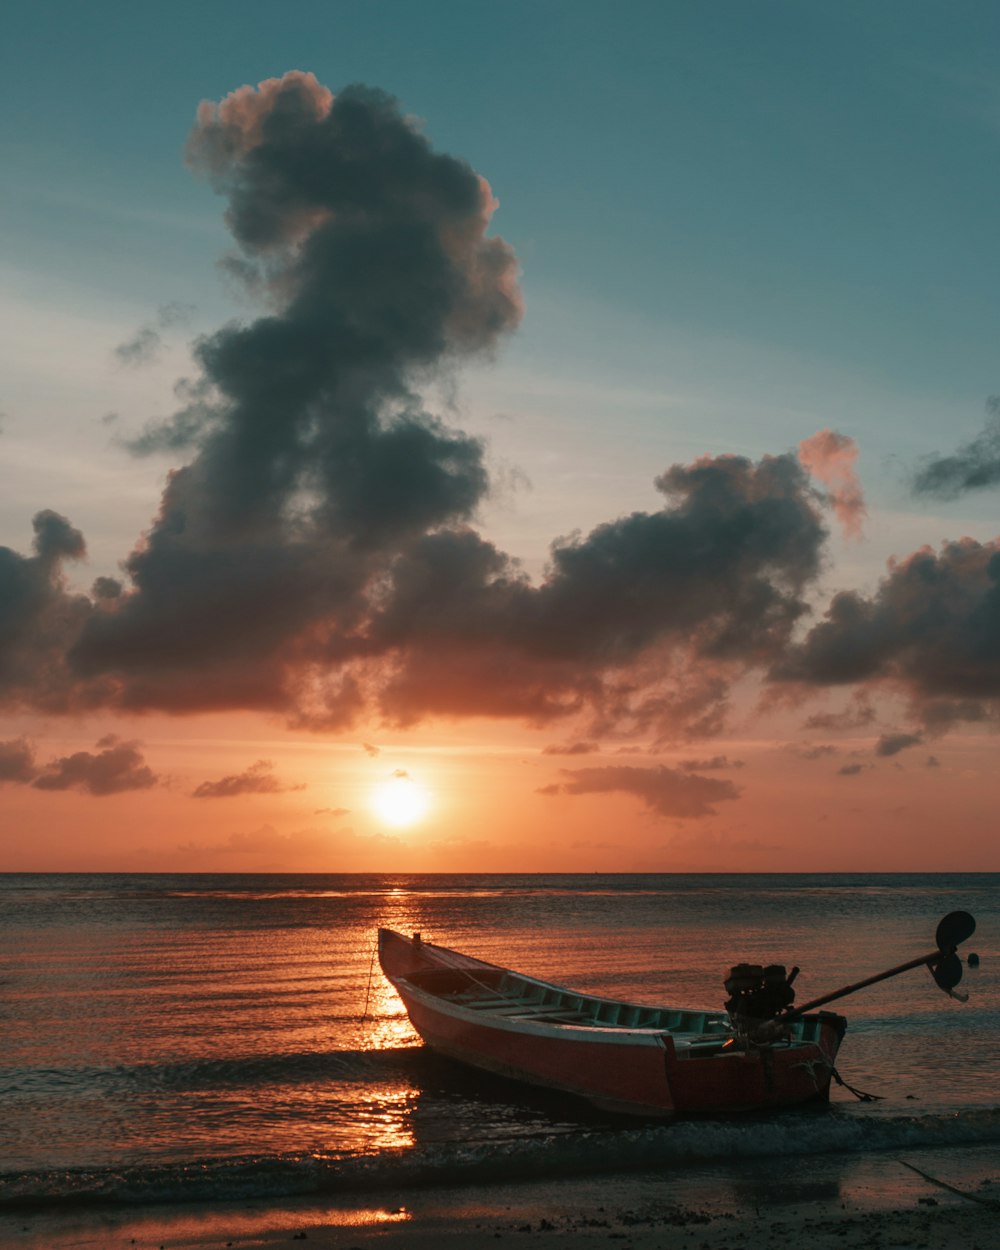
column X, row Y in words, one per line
column 514, row 437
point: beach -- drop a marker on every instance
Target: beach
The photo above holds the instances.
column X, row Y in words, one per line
column 878, row 1201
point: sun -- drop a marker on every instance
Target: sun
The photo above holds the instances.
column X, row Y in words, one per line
column 400, row 801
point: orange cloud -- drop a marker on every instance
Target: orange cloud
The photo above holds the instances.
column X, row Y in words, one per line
column 830, row 457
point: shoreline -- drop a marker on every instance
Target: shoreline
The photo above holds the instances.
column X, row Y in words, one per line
column 893, row 1200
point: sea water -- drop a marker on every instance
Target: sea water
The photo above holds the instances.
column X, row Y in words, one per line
column 181, row 1038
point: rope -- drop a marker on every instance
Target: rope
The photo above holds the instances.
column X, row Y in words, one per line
column 986, row 1202
column 368, row 991
column 452, row 959
column 858, row 1093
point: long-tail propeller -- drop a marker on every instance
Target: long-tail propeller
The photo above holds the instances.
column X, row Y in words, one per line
column 944, row 964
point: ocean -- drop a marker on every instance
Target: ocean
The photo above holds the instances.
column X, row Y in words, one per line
column 183, row 1038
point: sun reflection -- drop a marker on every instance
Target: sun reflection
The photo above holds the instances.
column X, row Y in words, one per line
column 388, row 1122
column 389, row 1025
column 192, row 1226
column 364, row 1217
column 375, row 1215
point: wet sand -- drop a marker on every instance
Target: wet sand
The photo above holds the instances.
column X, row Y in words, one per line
column 877, row 1202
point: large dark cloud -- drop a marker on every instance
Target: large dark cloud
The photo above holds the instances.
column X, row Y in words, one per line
column 314, row 552
column 663, row 790
column 972, row 467
column 313, row 460
column 314, row 555
column 930, row 631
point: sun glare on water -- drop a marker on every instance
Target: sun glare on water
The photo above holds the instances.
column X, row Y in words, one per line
column 400, row 801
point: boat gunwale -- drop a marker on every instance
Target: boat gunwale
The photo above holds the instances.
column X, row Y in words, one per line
column 686, row 1042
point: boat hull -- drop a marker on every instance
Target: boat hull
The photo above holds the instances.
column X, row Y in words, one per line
column 641, row 1071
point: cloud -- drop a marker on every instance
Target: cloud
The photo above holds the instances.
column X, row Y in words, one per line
column 931, row 631
column 40, row 618
column 17, row 761
column 973, row 467
column 856, row 715
column 257, row 779
column 571, row 748
column 115, row 768
column 830, row 458
column 850, row 718
column 713, row 764
column 312, row 461
column 850, row 770
column 642, row 622
column 331, row 811
column 892, row 744
column 371, row 751
column 141, row 349
column 816, row 752
column 663, row 790
column 145, row 345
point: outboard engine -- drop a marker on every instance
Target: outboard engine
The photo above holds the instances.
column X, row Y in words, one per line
column 759, row 993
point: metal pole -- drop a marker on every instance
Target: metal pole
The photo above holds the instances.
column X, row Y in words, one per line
column 933, row 958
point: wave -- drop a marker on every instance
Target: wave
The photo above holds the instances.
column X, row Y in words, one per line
column 599, row 1151
column 387, row 1063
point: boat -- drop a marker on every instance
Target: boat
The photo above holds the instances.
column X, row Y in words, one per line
column 757, row 1054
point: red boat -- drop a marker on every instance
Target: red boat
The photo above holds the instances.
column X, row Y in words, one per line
column 620, row 1056
column 759, row 1053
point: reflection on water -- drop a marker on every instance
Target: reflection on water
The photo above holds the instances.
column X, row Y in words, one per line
column 386, row 1123
column 388, row 1025
column 203, row 1226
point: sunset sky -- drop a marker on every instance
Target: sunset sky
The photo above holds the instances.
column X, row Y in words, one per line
column 529, row 436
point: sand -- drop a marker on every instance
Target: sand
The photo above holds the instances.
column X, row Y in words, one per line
column 875, row 1201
